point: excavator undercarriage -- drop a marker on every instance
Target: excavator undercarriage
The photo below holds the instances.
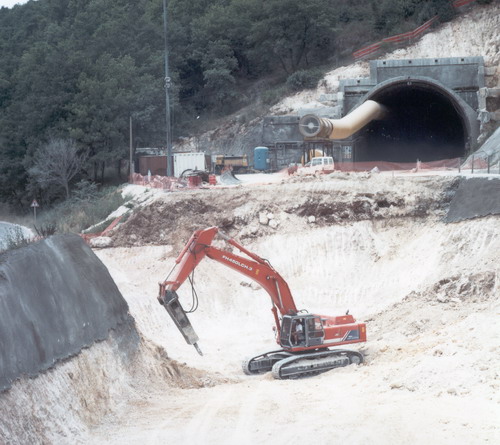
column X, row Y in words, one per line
column 289, row 365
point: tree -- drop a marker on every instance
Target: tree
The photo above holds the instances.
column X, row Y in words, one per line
column 294, row 31
column 57, row 163
column 82, row 68
column 109, row 93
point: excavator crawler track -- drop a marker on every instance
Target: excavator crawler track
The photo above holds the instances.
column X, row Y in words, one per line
column 302, row 365
column 264, row 362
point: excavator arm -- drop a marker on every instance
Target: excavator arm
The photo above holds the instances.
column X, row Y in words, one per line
column 254, row 267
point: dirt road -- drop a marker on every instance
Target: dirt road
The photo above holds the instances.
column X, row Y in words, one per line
column 340, row 406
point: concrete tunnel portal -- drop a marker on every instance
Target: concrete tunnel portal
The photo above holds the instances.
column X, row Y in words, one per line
column 422, row 122
column 405, row 110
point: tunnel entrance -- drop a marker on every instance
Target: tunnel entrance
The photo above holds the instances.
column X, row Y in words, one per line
column 422, row 123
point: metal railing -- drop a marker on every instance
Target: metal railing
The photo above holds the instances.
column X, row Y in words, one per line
column 406, row 37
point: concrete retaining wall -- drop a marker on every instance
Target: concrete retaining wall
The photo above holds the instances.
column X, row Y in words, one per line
column 474, row 198
column 56, row 297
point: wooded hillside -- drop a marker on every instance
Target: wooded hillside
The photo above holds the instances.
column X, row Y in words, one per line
column 77, row 70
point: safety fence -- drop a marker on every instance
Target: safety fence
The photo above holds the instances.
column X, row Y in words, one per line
column 383, row 166
column 474, row 164
column 482, row 163
column 165, row 182
column 459, row 3
column 88, row 236
column 407, row 37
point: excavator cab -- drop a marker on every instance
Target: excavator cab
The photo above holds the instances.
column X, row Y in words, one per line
column 301, row 331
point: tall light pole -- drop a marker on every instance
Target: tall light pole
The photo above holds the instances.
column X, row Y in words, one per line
column 170, row 171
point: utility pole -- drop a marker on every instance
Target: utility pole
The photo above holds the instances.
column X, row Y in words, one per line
column 131, row 161
column 167, row 98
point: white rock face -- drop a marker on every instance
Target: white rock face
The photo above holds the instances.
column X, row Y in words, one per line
column 101, row 242
column 274, row 223
column 263, row 219
column 12, row 232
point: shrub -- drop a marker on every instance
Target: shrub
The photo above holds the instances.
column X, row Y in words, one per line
column 85, row 190
column 445, row 10
column 46, row 230
column 15, row 239
column 274, row 95
column 304, row 79
column 84, row 210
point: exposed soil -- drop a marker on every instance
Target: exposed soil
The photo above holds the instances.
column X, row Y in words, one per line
column 428, row 291
column 339, row 198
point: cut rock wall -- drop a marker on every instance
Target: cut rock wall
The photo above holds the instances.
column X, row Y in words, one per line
column 56, row 297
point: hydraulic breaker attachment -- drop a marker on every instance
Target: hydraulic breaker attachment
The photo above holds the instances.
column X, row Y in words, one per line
column 170, row 301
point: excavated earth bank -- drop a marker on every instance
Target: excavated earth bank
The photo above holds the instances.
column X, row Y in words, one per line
column 337, row 199
column 374, row 244
column 70, row 351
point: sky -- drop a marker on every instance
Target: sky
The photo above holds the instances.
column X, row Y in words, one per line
column 11, row 3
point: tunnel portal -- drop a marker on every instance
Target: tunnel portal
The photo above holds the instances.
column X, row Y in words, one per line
column 433, row 114
column 420, row 123
column 431, row 109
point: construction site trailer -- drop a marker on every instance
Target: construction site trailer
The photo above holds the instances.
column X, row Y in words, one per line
column 190, row 161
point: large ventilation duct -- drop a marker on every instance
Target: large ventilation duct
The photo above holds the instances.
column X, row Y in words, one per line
column 312, row 126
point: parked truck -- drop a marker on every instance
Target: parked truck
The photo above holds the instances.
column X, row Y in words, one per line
column 238, row 163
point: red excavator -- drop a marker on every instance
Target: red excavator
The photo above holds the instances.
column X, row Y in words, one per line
column 305, row 339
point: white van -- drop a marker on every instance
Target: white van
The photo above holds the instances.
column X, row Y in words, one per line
column 324, row 161
column 318, row 165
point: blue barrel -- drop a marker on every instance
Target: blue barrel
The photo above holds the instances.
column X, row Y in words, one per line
column 261, row 158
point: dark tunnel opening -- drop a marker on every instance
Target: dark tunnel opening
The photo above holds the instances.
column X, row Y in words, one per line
column 421, row 123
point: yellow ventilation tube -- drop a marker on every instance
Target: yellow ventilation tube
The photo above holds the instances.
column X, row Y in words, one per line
column 312, row 126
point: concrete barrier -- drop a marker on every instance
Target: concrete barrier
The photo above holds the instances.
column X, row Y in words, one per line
column 56, row 297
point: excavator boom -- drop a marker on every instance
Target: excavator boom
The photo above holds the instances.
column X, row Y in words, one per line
column 256, row 268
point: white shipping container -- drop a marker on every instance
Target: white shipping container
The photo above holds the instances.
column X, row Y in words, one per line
column 185, row 161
